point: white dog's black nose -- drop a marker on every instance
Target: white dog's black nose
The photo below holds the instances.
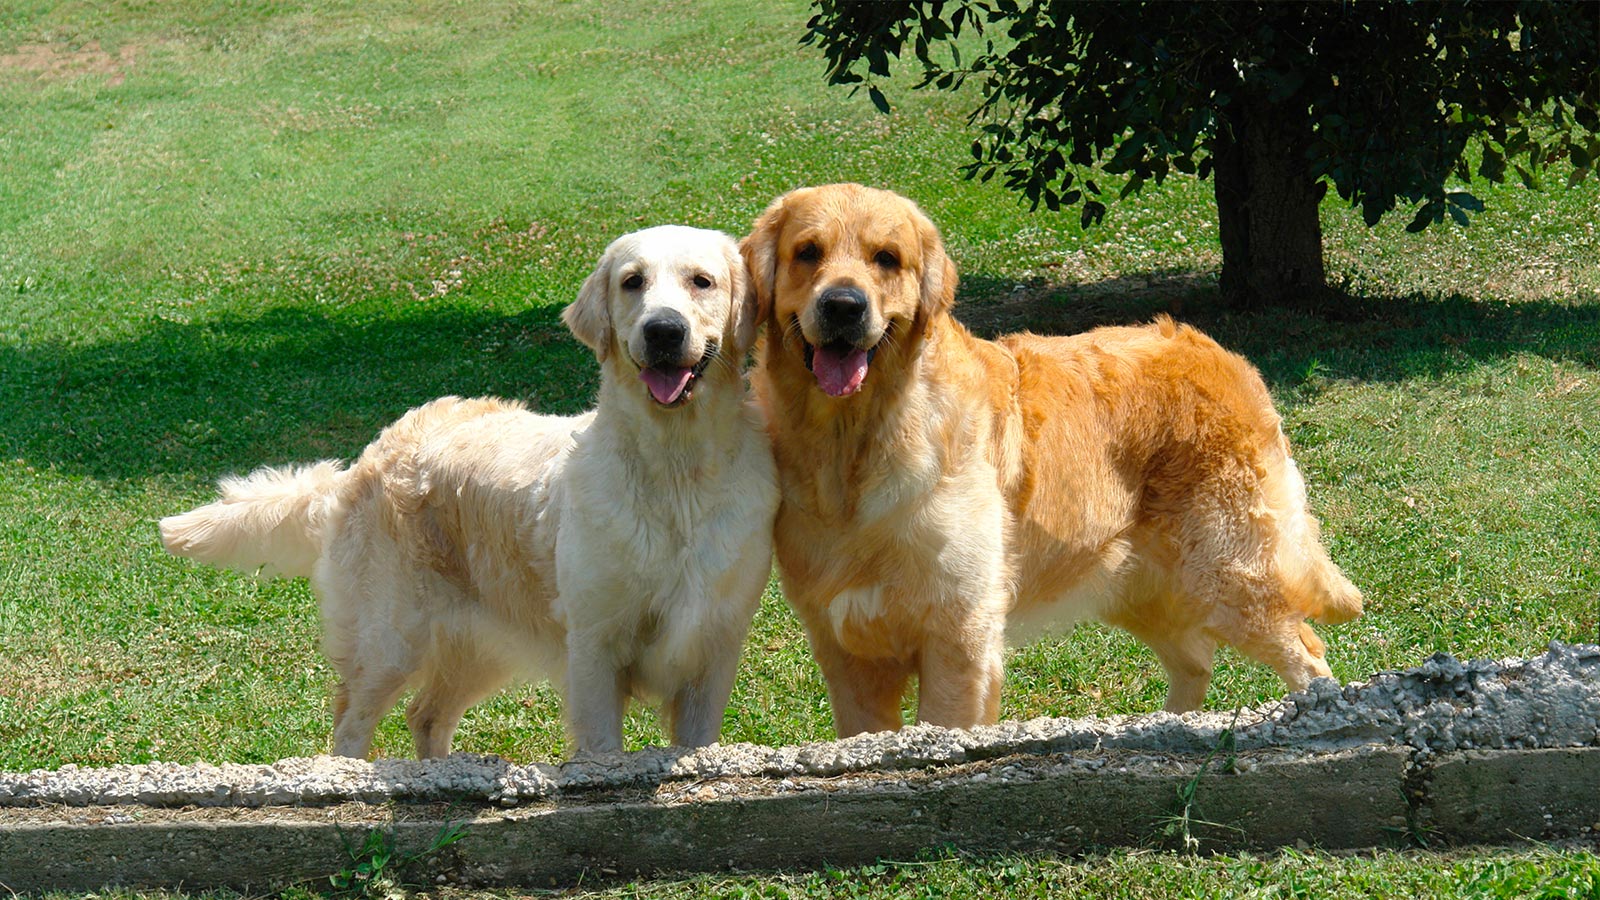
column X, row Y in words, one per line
column 666, row 336
column 842, row 315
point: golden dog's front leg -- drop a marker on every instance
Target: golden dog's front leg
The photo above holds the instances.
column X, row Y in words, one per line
column 960, row 679
column 865, row 693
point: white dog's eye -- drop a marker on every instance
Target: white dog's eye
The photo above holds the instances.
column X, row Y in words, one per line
column 633, row 282
column 703, row 281
column 886, row 260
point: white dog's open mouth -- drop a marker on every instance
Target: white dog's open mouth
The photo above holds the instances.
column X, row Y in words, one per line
column 840, row 367
column 672, row 386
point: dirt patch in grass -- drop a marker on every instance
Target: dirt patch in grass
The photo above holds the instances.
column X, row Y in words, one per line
column 63, row 62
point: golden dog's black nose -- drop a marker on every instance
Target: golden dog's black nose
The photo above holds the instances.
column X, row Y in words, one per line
column 842, row 315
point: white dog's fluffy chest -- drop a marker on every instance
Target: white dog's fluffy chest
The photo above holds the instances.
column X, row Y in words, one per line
column 656, row 572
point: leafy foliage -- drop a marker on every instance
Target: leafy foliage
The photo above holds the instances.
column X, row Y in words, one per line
column 1396, row 93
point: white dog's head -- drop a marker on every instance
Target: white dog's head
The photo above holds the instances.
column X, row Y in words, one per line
column 666, row 303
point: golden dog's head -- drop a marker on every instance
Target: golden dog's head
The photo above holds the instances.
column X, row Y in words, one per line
column 846, row 272
column 663, row 305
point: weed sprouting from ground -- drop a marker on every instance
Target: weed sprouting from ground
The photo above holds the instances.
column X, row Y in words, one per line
column 1180, row 825
column 375, row 869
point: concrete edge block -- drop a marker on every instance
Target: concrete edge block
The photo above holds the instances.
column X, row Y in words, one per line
column 1054, row 804
column 1498, row 797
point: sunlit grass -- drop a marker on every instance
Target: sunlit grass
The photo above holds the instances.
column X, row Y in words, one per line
column 255, row 233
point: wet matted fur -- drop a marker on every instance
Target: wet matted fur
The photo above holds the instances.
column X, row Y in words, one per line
column 939, row 489
column 622, row 552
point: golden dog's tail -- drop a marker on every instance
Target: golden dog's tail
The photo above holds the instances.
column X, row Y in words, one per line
column 1317, row 586
column 268, row 523
column 1334, row 599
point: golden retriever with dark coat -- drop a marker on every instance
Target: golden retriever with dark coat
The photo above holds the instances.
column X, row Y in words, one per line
column 938, row 487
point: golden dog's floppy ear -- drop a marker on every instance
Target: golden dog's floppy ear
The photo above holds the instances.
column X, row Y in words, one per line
column 589, row 316
column 938, row 272
column 760, row 251
column 748, row 311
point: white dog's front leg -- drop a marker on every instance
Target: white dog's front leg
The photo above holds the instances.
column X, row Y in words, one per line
column 596, row 693
column 694, row 711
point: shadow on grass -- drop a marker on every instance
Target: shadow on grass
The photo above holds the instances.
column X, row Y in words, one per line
column 1382, row 339
column 297, row 384
column 294, row 384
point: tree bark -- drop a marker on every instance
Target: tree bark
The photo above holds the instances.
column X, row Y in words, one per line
column 1267, row 206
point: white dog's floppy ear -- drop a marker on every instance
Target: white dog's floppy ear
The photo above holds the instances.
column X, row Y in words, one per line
column 760, row 251
column 589, row 316
column 748, row 311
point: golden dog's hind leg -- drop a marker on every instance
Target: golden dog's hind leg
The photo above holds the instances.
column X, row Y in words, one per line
column 1188, row 659
column 1292, row 649
column 1186, row 652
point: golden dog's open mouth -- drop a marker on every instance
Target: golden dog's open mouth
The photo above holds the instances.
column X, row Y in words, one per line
column 673, row 386
column 841, row 368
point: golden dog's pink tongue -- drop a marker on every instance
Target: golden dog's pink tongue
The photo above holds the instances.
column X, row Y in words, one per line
column 839, row 374
column 666, row 385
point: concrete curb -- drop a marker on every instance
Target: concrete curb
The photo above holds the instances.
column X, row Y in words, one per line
column 1405, row 756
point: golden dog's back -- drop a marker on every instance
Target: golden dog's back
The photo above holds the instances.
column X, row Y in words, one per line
column 1153, row 434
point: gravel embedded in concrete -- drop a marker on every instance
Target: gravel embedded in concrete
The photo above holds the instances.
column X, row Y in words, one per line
column 1443, row 706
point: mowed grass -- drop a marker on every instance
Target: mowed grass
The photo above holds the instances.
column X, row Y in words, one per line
column 252, row 233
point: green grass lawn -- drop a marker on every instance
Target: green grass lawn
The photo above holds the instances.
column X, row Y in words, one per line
column 247, row 233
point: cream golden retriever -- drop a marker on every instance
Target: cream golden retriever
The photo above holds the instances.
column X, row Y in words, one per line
column 622, row 552
column 937, row 487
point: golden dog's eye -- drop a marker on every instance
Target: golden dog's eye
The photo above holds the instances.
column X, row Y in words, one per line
column 703, row 281
column 808, row 253
column 633, row 282
column 886, row 259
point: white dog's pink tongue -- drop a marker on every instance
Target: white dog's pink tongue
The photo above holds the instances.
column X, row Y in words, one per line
column 666, row 385
column 839, row 374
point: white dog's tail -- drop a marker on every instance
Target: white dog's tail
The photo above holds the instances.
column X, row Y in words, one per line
column 270, row 522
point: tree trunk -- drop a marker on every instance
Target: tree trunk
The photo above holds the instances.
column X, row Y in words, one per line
column 1267, row 206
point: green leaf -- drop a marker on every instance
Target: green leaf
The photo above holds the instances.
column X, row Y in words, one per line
column 1493, row 166
column 1464, row 200
column 1426, row 215
column 878, row 100
column 877, row 61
